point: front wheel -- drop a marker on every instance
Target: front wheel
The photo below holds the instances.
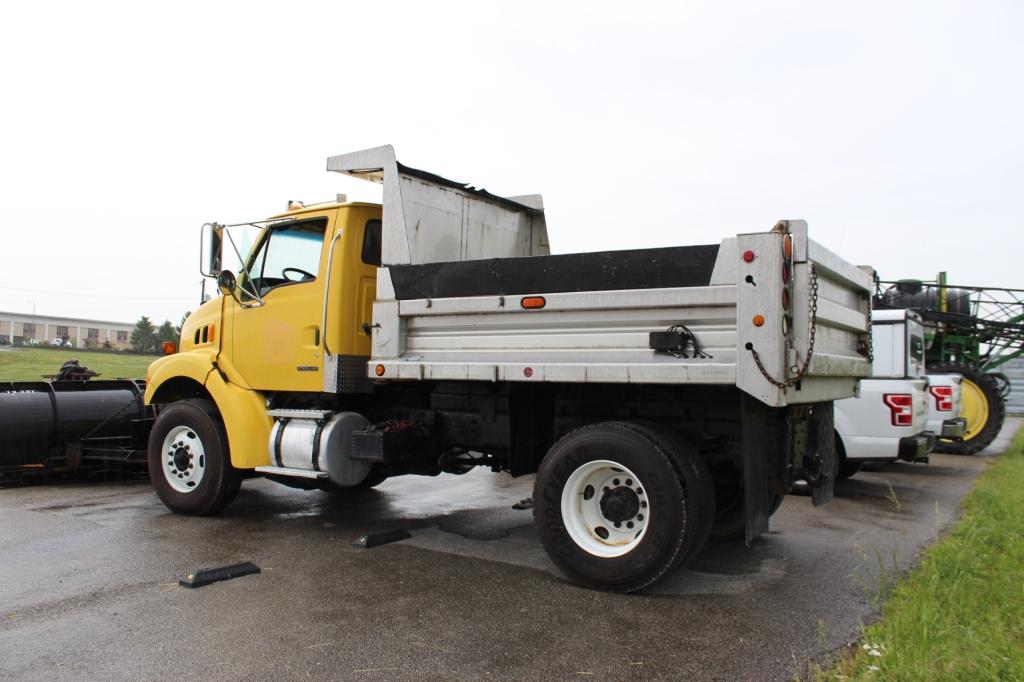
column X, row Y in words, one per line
column 189, row 463
column 613, row 510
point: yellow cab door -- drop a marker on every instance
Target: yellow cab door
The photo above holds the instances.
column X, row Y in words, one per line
column 276, row 344
column 352, row 291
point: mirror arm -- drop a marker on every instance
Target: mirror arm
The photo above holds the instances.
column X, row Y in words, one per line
column 245, row 270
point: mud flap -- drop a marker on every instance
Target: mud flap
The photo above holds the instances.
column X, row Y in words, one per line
column 821, row 461
column 754, row 414
column 768, row 443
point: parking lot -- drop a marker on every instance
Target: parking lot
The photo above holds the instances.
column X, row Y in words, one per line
column 88, row 584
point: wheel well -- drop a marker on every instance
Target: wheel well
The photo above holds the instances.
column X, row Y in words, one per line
column 180, row 388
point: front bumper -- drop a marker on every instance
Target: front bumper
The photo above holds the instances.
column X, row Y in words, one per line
column 954, row 429
column 916, row 448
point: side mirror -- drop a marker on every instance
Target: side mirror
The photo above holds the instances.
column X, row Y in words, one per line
column 226, row 282
column 211, row 241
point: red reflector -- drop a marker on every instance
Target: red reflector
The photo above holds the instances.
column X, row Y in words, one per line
column 902, row 407
column 748, row 256
column 785, row 273
column 785, row 299
column 943, row 397
column 528, row 372
column 533, row 302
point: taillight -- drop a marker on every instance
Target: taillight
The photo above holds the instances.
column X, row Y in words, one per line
column 943, row 397
column 902, row 407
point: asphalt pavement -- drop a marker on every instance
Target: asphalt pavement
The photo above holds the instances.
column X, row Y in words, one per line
column 88, row 585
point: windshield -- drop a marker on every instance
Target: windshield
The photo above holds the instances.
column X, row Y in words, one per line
column 289, row 253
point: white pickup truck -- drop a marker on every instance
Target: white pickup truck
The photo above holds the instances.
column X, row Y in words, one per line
column 944, row 399
column 888, row 420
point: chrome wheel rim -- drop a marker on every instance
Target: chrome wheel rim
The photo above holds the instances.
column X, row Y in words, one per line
column 183, row 458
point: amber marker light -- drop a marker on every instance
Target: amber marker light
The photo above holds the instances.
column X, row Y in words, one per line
column 170, row 348
column 533, row 302
column 787, row 246
column 758, row 320
column 379, row 370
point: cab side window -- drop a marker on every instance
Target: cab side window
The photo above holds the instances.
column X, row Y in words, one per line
column 371, row 242
column 289, row 254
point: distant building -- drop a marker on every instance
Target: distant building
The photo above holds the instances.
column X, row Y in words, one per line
column 18, row 329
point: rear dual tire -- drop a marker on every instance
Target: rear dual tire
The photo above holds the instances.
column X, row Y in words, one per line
column 619, row 504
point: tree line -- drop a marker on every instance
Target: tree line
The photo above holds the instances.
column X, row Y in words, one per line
column 147, row 338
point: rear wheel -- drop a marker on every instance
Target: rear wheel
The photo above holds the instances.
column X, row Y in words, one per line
column 982, row 406
column 189, row 463
column 700, row 504
column 846, row 467
column 613, row 509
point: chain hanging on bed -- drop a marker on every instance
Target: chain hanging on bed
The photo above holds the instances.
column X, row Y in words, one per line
column 813, row 311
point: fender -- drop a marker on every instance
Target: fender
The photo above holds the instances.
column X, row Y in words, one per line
column 242, row 409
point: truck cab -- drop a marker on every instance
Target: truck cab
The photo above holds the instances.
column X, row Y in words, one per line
column 888, row 420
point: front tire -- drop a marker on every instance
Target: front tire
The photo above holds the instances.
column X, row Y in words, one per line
column 189, row 463
column 613, row 510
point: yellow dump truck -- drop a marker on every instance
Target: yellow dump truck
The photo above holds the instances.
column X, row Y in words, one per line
column 661, row 396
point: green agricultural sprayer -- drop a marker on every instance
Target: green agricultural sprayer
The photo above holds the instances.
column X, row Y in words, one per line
column 970, row 331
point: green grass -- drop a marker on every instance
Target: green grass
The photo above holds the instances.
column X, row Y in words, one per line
column 960, row 614
column 29, row 364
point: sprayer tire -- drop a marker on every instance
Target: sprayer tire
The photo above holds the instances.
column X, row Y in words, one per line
column 982, row 387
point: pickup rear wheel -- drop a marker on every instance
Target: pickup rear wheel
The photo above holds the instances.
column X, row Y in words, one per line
column 846, row 467
column 613, row 510
column 188, row 459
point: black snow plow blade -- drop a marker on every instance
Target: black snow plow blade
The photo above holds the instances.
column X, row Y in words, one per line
column 58, row 426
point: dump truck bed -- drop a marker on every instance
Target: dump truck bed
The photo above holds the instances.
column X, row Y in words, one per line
column 775, row 313
column 469, row 320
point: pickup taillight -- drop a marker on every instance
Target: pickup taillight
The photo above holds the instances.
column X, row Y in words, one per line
column 943, row 397
column 902, row 407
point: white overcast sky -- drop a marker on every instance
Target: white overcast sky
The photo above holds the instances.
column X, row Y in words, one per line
column 894, row 128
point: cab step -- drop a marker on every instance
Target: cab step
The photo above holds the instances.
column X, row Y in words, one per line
column 286, row 471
